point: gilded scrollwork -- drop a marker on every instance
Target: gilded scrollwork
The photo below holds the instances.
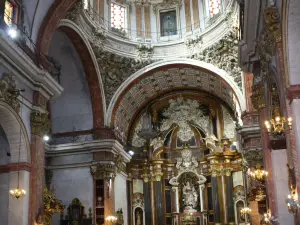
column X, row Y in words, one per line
column 8, row 92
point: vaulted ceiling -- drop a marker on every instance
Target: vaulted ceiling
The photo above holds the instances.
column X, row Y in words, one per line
column 169, row 78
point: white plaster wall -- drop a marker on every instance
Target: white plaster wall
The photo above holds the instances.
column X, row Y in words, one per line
column 4, row 197
column 73, row 109
column 294, row 41
column 280, row 176
column 73, row 183
column 18, row 209
column 296, row 124
column 121, row 196
column 29, row 18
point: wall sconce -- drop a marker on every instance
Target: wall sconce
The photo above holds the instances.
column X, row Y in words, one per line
column 293, row 203
column 276, row 126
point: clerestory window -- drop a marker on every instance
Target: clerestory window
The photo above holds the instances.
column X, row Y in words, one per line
column 214, row 7
column 117, row 18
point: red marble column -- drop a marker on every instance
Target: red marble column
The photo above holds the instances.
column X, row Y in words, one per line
column 39, row 126
column 37, row 176
column 268, row 163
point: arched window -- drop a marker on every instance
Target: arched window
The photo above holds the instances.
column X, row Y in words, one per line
column 117, row 17
column 214, row 7
column 8, row 13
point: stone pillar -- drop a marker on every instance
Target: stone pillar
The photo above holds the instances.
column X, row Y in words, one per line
column 40, row 125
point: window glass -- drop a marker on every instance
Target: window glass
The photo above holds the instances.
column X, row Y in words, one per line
column 214, row 7
column 117, row 19
column 8, row 13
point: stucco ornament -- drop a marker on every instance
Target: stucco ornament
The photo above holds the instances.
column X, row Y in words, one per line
column 182, row 113
column 138, row 202
column 8, row 92
column 224, row 55
column 115, row 69
column 136, row 140
column 229, row 124
column 186, row 162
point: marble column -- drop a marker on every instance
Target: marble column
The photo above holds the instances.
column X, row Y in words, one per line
column 159, row 203
column 215, row 198
column 39, row 127
column 229, row 193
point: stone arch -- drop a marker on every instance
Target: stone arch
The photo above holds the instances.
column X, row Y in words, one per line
column 55, row 14
column 14, row 211
column 220, row 75
column 91, row 69
column 12, row 124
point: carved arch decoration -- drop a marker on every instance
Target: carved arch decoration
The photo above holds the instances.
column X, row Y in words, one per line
column 165, row 76
column 11, row 121
column 91, row 69
column 138, row 205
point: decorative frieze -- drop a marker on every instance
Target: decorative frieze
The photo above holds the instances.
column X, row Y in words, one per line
column 9, row 92
column 40, row 123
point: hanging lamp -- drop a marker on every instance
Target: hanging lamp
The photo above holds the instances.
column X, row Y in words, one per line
column 18, row 192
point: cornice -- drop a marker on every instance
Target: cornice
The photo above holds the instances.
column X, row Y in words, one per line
column 293, row 92
column 24, row 68
column 108, row 145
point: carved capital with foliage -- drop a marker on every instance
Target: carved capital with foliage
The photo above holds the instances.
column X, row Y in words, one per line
column 103, row 171
column 40, row 123
column 8, row 92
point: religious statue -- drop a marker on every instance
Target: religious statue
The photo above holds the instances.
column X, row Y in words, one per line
column 138, row 218
column 190, row 196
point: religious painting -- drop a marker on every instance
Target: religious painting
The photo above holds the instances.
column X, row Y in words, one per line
column 8, row 13
column 138, row 216
column 168, row 23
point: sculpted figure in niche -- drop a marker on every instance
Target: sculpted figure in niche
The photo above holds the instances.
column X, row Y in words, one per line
column 138, row 216
column 190, row 196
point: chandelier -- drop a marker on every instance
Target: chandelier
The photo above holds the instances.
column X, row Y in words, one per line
column 293, row 203
column 276, row 126
column 111, row 219
column 258, row 174
column 245, row 211
column 18, row 192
